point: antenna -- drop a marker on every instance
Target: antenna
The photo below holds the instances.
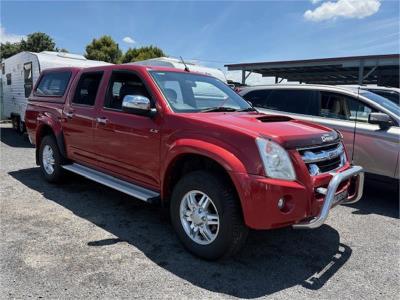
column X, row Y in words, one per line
column 186, row 67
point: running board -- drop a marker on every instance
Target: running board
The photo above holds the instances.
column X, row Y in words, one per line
column 115, row 183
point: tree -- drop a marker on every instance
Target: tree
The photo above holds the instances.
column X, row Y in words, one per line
column 104, row 49
column 142, row 53
column 38, row 42
column 9, row 49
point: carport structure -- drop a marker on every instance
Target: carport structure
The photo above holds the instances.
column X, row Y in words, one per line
column 371, row 69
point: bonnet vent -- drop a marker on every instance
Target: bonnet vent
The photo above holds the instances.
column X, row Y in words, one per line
column 266, row 119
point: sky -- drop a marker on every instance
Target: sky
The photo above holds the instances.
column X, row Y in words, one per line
column 215, row 33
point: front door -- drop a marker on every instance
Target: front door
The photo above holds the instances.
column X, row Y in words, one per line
column 127, row 145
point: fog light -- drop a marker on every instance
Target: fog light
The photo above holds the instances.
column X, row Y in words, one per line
column 281, row 203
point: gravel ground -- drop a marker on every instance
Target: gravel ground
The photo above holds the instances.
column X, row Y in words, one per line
column 83, row 240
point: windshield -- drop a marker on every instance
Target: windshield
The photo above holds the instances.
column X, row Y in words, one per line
column 389, row 105
column 188, row 92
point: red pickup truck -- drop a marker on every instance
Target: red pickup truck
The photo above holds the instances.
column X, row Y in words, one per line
column 189, row 142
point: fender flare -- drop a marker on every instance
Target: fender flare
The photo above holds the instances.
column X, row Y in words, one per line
column 231, row 163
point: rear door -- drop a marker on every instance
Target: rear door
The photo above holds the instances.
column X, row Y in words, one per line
column 127, row 145
column 79, row 117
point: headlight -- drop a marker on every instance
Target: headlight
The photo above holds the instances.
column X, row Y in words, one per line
column 276, row 161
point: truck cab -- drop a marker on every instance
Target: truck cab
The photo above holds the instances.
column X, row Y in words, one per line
column 188, row 142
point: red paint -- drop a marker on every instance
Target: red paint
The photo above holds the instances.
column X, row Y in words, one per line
column 141, row 149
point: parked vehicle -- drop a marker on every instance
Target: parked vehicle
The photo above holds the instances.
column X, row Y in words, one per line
column 20, row 72
column 171, row 62
column 368, row 122
column 190, row 142
column 391, row 93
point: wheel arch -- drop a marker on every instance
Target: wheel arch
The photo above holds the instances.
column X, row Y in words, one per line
column 44, row 129
column 187, row 156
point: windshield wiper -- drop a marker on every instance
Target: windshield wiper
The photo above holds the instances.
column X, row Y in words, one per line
column 218, row 109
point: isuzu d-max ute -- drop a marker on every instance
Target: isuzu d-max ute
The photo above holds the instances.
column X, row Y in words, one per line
column 187, row 141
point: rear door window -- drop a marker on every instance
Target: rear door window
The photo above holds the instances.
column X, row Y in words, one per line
column 87, row 88
column 292, row 101
column 52, row 84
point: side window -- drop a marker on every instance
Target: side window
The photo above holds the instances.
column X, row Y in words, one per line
column 359, row 110
column 258, row 98
column 291, row 101
column 3, row 68
column 28, row 81
column 122, row 84
column 333, row 105
column 8, row 77
column 87, row 87
column 53, row 84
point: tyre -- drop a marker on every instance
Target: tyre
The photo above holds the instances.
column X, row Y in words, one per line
column 206, row 216
column 21, row 126
column 50, row 160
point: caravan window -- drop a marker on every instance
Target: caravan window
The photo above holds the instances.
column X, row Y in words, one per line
column 53, row 84
column 8, row 77
column 28, row 81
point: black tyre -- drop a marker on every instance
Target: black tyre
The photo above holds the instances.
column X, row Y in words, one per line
column 50, row 160
column 21, row 126
column 15, row 123
column 207, row 217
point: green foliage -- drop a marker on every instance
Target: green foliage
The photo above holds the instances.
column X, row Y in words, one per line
column 35, row 42
column 38, row 42
column 104, row 49
column 142, row 53
column 8, row 49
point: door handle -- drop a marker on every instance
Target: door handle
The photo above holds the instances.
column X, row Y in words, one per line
column 101, row 120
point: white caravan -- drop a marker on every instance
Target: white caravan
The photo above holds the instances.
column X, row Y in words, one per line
column 177, row 63
column 20, row 72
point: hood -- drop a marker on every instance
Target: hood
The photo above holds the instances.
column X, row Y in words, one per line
column 288, row 132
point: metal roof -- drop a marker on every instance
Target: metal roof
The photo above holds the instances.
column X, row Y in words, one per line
column 369, row 69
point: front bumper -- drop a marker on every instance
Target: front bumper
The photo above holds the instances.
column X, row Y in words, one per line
column 330, row 192
column 307, row 201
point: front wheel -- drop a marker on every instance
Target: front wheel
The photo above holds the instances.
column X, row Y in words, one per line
column 206, row 215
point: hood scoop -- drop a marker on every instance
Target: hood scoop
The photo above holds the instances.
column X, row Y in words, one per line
column 268, row 119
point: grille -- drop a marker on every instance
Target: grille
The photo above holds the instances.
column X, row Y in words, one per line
column 323, row 159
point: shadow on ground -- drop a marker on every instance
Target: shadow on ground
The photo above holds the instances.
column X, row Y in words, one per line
column 271, row 261
column 380, row 198
column 11, row 138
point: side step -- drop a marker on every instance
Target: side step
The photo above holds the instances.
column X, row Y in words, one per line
column 115, row 183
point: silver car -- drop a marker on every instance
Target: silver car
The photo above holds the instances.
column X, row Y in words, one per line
column 369, row 122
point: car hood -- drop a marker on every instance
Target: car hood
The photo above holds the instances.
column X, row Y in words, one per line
column 288, row 132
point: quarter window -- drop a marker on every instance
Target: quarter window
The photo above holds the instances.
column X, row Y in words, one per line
column 52, row 84
column 87, row 88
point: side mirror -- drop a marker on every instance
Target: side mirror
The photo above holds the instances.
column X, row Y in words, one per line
column 136, row 104
column 381, row 119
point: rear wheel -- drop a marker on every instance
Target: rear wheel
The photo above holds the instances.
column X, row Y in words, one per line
column 50, row 160
column 206, row 215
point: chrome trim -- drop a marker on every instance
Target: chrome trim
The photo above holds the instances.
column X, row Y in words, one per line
column 330, row 196
column 318, row 146
column 312, row 157
column 136, row 102
column 113, row 182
